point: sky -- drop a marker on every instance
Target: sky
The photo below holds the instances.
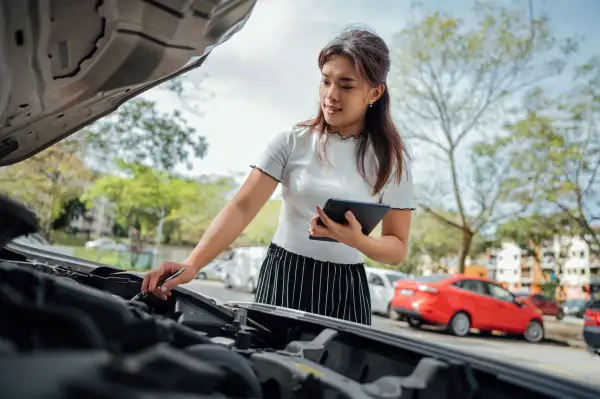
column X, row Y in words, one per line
column 265, row 78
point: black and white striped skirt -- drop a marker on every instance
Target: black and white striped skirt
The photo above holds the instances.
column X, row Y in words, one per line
column 298, row 282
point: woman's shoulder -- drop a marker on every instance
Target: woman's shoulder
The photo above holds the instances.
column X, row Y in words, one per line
column 302, row 132
column 294, row 133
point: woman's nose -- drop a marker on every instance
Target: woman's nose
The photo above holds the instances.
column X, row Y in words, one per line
column 333, row 93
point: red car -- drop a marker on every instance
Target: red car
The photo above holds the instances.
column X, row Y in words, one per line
column 591, row 326
column 460, row 302
column 548, row 306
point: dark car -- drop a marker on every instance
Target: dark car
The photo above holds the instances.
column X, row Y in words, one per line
column 575, row 307
column 547, row 305
column 591, row 326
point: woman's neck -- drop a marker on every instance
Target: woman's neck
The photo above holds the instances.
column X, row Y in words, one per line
column 354, row 130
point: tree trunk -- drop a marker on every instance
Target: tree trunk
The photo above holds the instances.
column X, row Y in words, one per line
column 467, row 239
column 538, row 275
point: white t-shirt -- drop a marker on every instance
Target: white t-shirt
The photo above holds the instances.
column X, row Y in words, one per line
column 291, row 158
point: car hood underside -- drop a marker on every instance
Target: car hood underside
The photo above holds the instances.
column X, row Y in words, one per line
column 65, row 64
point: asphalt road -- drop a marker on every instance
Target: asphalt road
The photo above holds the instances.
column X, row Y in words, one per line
column 568, row 362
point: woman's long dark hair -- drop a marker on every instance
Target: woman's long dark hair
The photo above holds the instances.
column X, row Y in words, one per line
column 370, row 55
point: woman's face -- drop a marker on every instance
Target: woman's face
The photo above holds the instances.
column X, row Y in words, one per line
column 345, row 94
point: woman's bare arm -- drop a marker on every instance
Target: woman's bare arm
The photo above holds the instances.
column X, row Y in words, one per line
column 392, row 246
column 233, row 218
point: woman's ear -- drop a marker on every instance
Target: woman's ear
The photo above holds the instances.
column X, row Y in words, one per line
column 377, row 92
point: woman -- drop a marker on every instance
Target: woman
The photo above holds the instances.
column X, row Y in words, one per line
column 351, row 150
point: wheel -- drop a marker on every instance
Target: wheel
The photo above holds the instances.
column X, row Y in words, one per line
column 414, row 323
column 251, row 286
column 560, row 315
column 392, row 313
column 460, row 324
column 534, row 332
column 201, row 276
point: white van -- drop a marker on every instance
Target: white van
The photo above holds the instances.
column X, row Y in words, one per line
column 241, row 271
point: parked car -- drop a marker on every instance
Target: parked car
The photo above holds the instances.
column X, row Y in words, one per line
column 381, row 289
column 591, row 326
column 106, row 244
column 241, row 271
column 215, row 270
column 460, row 303
column 575, row 307
column 547, row 305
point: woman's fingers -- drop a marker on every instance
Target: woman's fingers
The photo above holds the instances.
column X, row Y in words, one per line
column 324, row 218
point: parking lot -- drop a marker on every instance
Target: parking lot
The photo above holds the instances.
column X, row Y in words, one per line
column 560, row 356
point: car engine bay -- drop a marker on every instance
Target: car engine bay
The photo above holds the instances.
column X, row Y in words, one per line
column 69, row 326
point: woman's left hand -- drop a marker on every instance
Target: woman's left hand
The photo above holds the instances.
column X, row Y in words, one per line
column 349, row 234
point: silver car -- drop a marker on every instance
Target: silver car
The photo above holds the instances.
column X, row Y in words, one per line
column 381, row 287
column 241, row 271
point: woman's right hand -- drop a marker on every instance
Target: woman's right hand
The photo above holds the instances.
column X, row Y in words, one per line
column 165, row 270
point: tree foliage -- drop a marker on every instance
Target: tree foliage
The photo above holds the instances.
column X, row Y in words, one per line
column 47, row 181
column 432, row 237
column 454, row 83
column 556, row 152
column 139, row 133
column 261, row 230
column 140, row 193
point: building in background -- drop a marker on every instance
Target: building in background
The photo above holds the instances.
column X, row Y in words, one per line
column 508, row 266
column 97, row 221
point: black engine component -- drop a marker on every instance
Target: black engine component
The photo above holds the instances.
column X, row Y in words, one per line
column 17, row 220
column 68, row 330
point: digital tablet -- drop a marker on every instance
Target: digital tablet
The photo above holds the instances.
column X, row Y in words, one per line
column 368, row 214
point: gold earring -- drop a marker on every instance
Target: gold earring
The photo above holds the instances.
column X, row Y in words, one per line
column 371, row 104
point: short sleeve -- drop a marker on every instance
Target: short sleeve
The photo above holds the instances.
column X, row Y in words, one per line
column 274, row 158
column 400, row 195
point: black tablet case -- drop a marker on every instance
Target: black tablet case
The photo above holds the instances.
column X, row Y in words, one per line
column 369, row 214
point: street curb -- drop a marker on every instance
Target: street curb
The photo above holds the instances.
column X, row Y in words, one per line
column 572, row 343
column 576, row 344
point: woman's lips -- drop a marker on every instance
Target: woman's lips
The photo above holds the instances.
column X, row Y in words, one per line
column 331, row 110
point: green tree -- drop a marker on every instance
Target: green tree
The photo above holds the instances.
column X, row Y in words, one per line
column 48, row 181
column 140, row 193
column 430, row 240
column 557, row 144
column 454, row 84
column 433, row 237
column 261, row 230
column 200, row 202
column 138, row 133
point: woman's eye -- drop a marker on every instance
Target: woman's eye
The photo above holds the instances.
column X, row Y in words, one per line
column 325, row 81
column 348, row 87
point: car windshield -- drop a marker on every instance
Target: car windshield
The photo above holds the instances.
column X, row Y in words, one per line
column 497, row 103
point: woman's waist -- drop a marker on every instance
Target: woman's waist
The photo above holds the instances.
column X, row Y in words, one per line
column 296, row 239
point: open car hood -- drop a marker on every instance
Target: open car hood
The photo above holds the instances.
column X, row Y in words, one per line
column 65, row 64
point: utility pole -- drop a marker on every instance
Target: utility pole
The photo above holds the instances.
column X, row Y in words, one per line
column 159, row 230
